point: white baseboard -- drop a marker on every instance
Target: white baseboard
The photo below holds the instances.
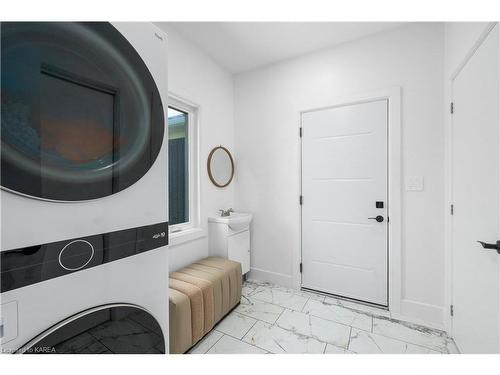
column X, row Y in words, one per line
column 421, row 313
column 271, row 277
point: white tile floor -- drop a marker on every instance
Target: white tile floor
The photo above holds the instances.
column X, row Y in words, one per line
column 273, row 319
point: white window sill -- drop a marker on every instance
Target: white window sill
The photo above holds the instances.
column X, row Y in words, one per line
column 185, row 235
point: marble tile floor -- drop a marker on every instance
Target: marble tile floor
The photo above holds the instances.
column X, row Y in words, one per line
column 273, row 319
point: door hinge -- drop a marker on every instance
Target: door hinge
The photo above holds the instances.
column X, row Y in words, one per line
column 300, row 267
column 301, row 200
column 452, row 107
column 300, row 132
column 451, row 310
column 452, row 209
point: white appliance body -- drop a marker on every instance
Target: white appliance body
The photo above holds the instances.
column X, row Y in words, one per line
column 140, row 279
column 137, row 280
column 27, row 222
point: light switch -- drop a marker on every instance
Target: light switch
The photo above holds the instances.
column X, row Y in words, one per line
column 415, row 183
column 8, row 321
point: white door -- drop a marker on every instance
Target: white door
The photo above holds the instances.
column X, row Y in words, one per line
column 476, row 190
column 344, row 174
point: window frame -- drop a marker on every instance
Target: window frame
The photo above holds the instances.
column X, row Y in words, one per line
column 192, row 225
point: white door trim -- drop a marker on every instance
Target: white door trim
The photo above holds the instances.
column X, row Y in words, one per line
column 448, row 287
column 393, row 96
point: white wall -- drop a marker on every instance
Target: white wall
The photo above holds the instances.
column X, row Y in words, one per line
column 192, row 75
column 267, row 105
column 459, row 39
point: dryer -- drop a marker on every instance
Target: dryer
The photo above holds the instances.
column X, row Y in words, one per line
column 84, row 187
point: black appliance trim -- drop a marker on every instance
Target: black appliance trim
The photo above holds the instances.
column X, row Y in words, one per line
column 33, row 264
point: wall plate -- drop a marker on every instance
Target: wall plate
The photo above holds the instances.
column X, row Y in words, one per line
column 415, row 183
column 8, row 321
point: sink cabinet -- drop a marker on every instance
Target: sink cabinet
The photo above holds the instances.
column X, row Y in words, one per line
column 226, row 242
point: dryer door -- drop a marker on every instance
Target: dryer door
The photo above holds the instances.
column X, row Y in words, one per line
column 82, row 117
column 109, row 329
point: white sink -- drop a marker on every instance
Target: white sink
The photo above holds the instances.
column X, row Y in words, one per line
column 236, row 221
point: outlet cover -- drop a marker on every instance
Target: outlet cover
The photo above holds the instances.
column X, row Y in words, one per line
column 415, row 183
column 8, row 321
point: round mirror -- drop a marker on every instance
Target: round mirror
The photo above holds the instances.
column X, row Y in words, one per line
column 220, row 166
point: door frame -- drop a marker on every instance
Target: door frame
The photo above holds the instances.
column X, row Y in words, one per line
column 448, row 243
column 394, row 185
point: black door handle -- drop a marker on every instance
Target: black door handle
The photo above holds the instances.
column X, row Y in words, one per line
column 379, row 218
column 493, row 246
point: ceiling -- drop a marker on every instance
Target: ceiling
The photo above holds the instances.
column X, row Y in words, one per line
column 243, row 46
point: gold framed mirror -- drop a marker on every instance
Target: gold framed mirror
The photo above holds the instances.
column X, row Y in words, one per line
column 220, row 166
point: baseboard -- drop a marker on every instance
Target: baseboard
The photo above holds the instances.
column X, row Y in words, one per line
column 421, row 313
column 271, row 277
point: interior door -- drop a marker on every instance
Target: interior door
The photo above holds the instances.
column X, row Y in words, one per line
column 344, row 187
column 475, row 189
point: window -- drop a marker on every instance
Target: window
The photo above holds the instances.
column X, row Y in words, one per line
column 178, row 171
column 182, row 170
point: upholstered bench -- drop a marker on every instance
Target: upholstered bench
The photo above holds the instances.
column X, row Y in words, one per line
column 220, row 284
column 180, row 333
column 195, row 296
column 200, row 296
column 233, row 270
column 207, row 291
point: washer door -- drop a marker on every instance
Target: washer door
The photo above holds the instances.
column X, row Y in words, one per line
column 109, row 329
column 82, row 117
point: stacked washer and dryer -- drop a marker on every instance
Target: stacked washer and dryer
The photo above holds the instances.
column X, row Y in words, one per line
column 84, row 188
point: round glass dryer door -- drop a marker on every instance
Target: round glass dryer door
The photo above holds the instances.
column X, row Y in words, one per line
column 82, row 117
column 109, row 329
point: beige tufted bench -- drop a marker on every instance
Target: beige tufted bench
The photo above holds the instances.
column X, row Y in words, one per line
column 200, row 296
column 180, row 333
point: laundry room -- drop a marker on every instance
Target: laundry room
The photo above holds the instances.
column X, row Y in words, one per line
column 180, row 186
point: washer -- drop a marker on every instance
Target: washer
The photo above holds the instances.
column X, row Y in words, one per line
column 84, row 202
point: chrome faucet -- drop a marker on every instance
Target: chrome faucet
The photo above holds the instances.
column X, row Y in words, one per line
column 226, row 212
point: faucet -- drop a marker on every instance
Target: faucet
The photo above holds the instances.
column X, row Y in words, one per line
column 226, row 212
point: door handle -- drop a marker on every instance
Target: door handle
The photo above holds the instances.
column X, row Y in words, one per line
column 493, row 246
column 378, row 218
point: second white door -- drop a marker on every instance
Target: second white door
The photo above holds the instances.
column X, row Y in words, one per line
column 476, row 200
column 344, row 187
